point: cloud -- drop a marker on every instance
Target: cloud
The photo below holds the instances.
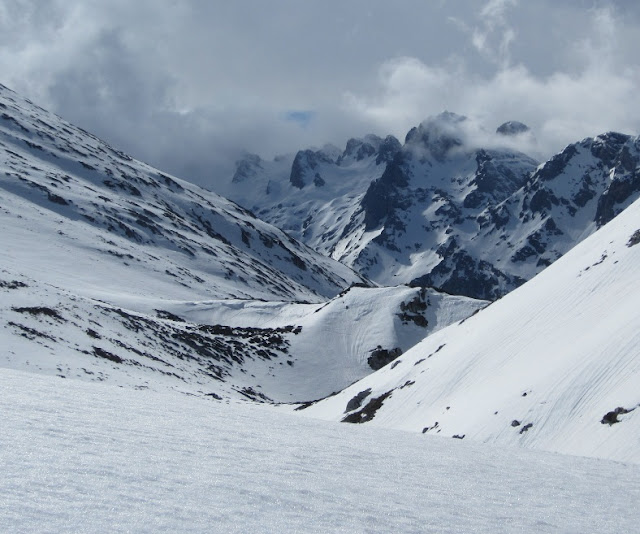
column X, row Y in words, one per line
column 494, row 36
column 561, row 107
column 187, row 86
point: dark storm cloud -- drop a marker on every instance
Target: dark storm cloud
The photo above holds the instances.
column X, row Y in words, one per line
column 189, row 85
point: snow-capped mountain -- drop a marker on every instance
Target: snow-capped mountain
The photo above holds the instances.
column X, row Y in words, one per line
column 554, row 365
column 441, row 212
column 314, row 194
column 114, row 271
column 75, row 200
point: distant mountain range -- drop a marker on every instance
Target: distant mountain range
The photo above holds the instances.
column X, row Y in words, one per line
column 438, row 211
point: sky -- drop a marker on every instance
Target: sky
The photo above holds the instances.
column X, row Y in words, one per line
column 188, row 86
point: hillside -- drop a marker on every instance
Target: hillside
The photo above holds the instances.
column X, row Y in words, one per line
column 554, row 365
column 114, row 271
column 119, row 225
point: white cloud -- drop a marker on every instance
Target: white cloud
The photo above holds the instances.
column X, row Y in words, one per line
column 494, row 35
column 562, row 107
column 188, row 85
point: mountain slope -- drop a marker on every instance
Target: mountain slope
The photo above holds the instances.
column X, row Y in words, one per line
column 553, row 365
column 257, row 350
column 314, row 194
column 73, row 199
column 113, row 271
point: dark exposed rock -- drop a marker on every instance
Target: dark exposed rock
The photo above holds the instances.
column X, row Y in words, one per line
column 101, row 353
column 413, row 310
column 556, row 165
column 12, row 284
column 306, row 161
column 39, row 310
column 163, row 314
column 460, row 274
column 511, row 128
column 367, row 413
column 382, row 196
column 428, row 428
column 357, row 400
column 492, row 182
column 56, row 199
column 607, row 146
column 31, row 333
column 634, row 239
column 515, row 423
column 388, row 149
column 585, row 193
column 381, row 357
column 525, row 428
column 619, row 191
column 611, row 418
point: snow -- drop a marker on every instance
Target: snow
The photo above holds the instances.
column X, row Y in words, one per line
column 134, row 318
column 539, row 368
column 71, row 203
column 80, row 457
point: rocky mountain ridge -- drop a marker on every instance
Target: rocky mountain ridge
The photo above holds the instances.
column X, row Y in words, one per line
column 440, row 211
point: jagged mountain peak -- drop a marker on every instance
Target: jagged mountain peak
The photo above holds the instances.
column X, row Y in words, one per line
column 512, row 128
column 438, row 134
column 247, row 167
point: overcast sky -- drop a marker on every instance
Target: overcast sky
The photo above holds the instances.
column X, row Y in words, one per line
column 186, row 85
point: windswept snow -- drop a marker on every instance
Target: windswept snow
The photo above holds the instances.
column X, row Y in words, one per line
column 79, row 457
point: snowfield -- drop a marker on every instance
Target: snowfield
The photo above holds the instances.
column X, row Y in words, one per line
column 80, row 457
column 553, row 365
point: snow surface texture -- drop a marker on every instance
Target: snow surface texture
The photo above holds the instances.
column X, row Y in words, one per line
column 442, row 212
column 554, row 365
column 79, row 457
column 73, row 205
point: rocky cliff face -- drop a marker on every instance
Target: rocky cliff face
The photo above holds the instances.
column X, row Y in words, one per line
column 441, row 211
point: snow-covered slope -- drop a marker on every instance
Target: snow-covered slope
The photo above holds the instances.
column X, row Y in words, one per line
column 553, row 365
column 112, row 271
column 264, row 351
column 92, row 458
column 72, row 204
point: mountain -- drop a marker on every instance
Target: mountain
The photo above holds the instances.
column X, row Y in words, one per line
column 71, row 198
column 313, row 194
column 553, row 365
column 114, row 271
column 441, row 212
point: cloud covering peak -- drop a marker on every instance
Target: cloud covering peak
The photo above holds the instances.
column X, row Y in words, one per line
column 189, row 85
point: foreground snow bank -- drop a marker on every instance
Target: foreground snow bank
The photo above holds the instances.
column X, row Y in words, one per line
column 81, row 457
